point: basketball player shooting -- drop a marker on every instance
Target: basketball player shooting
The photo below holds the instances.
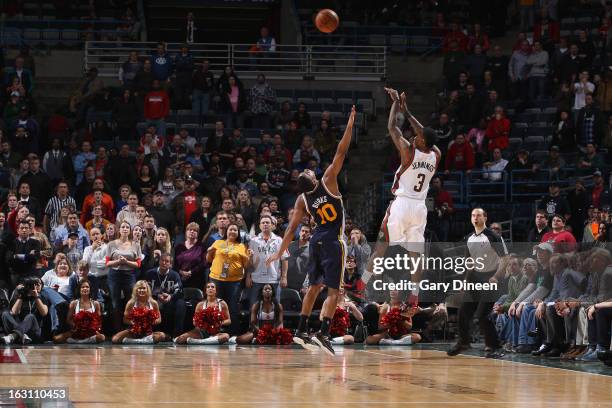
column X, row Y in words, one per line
column 406, row 217
column 327, row 250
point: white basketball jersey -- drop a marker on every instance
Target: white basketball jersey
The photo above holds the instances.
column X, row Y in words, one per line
column 412, row 180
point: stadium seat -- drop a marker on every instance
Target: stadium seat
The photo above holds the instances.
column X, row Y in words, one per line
column 291, row 301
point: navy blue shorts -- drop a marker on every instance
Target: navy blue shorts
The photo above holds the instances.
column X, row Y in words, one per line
column 326, row 263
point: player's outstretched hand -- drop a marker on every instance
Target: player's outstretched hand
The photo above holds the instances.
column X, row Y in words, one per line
column 351, row 119
column 393, row 94
column 273, row 258
column 403, row 100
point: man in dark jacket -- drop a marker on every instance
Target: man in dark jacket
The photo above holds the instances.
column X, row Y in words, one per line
column 183, row 84
column 167, row 290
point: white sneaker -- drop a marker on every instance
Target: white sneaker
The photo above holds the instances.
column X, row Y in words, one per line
column 7, row 339
column 405, row 340
column 387, row 342
column 26, row 339
column 232, row 340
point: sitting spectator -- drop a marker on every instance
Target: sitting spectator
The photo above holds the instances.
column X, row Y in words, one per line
column 477, row 37
column 443, row 209
column 445, row 131
column 553, row 162
column 325, row 141
column 19, row 71
column 546, row 31
column 475, row 65
column 590, row 161
column 23, row 255
column 526, row 168
column 470, row 107
column 554, row 203
column 493, row 170
column 460, row 156
column 306, row 151
column 58, row 278
column 599, row 194
column 61, row 233
column 167, row 290
column 454, row 34
column 302, row 117
column 541, row 227
column 283, row 117
column 498, row 131
column 562, row 240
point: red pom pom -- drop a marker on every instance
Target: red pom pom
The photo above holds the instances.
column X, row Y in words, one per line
column 395, row 323
column 340, row 323
column 208, row 320
column 271, row 336
column 142, row 319
column 86, row 324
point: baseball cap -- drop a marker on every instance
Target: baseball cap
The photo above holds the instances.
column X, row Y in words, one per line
column 596, row 173
column 73, row 235
column 555, row 148
column 158, row 192
column 15, row 93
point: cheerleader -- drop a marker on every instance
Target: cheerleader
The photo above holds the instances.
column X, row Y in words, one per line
column 141, row 298
column 344, row 309
column 83, row 303
column 199, row 336
column 399, row 335
column 266, row 311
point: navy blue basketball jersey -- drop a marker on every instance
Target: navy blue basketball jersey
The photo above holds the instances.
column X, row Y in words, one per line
column 328, row 212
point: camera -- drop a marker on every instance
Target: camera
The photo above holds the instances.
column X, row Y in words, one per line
column 28, row 286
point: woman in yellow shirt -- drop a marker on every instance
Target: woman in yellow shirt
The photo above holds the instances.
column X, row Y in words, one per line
column 229, row 258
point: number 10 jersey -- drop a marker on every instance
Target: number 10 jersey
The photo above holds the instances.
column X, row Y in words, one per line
column 328, row 212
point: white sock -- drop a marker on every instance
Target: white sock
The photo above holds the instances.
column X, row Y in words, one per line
column 386, row 341
column 70, row 340
column 209, row 340
column 232, row 340
column 89, row 340
column 147, row 340
column 338, row 340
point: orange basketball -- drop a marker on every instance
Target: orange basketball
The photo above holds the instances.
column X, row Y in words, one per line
column 327, row 21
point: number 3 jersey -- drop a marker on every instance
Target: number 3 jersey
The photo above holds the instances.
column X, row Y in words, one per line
column 328, row 212
column 412, row 180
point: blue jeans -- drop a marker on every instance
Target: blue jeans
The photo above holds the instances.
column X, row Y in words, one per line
column 200, row 101
column 527, row 324
column 230, row 292
column 118, row 282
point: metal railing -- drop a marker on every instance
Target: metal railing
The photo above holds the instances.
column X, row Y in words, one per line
column 287, row 62
column 398, row 39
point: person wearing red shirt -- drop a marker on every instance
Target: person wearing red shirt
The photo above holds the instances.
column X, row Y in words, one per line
column 562, row 240
column 455, row 34
column 477, row 37
column 498, row 130
column 546, row 31
column 460, row 155
column 157, row 107
column 443, row 209
column 99, row 197
column 185, row 204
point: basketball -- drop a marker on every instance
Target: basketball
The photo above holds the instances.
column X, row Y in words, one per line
column 327, row 21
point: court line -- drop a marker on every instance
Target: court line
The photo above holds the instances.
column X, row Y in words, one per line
column 251, row 402
column 496, row 359
column 22, row 356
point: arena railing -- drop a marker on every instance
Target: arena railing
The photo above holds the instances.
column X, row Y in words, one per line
column 399, row 39
column 340, row 63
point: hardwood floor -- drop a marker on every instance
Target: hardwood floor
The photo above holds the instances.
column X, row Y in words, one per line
column 168, row 376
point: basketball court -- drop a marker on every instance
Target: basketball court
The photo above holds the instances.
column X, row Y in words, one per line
column 289, row 376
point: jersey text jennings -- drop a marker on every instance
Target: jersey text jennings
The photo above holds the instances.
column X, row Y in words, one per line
column 423, row 165
column 316, row 203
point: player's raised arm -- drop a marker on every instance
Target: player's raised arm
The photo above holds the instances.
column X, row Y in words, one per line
column 298, row 214
column 336, row 165
column 414, row 123
column 400, row 143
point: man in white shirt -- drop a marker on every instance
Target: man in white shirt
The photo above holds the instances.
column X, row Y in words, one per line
column 581, row 89
column 493, row 169
column 263, row 246
column 129, row 213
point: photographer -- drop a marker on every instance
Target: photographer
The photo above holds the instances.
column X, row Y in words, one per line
column 25, row 319
column 26, row 250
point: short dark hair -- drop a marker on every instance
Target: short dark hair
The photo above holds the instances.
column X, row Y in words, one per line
column 304, row 183
column 430, row 137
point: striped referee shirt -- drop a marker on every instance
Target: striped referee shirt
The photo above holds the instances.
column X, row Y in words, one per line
column 488, row 246
column 54, row 208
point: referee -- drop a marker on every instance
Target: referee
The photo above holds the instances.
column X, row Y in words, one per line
column 485, row 244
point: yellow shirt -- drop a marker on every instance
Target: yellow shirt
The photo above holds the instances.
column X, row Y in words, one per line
column 234, row 255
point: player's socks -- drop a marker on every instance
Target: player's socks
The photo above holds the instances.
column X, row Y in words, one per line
column 325, row 326
column 338, row 340
column 303, row 324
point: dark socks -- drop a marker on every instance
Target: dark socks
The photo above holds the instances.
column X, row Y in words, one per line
column 303, row 324
column 325, row 325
